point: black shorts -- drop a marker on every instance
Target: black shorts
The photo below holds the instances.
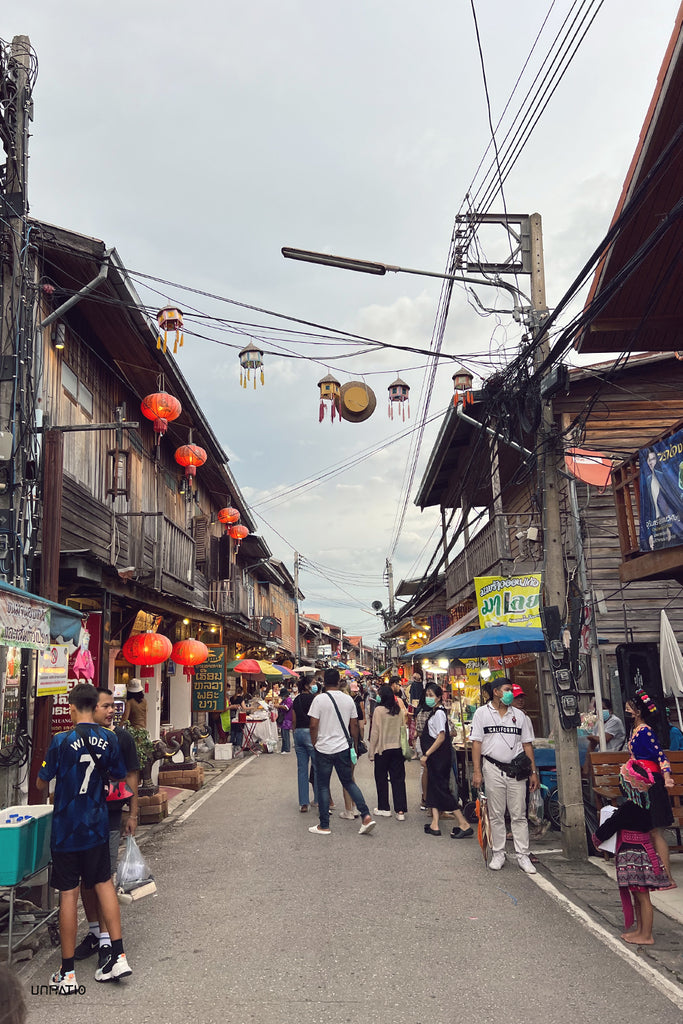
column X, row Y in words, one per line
column 69, row 867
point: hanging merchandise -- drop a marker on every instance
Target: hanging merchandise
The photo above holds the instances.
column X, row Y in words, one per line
column 399, row 393
column 162, row 408
column 357, row 401
column 189, row 653
column 238, row 533
column 147, row 649
column 170, row 318
column 228, row 516
column 83, row 666
column 330, row 391
column 462, row 386
column 190, row 456
column 251, row 358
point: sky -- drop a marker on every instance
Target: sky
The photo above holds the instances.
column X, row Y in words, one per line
column 198, row 139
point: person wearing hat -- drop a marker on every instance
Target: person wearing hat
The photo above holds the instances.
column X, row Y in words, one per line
column 518, row 697
column 136, row 705
column 500, row 733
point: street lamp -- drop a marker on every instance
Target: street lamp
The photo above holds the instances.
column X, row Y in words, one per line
column 380, row 269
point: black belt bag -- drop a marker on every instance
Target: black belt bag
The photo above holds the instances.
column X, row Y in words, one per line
column 518, row 768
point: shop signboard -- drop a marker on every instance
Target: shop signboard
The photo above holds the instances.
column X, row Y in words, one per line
column 508, row 600
column 53, row 671
column 23, row 622
column 61, row 717
column 661, row 493
column 208, row 682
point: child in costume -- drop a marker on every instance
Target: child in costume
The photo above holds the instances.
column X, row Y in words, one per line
column 639, row 867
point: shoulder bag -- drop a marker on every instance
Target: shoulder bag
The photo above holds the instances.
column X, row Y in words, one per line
column 352, row 749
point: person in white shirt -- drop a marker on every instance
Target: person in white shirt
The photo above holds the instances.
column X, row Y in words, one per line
column 499, row 734
column 333, row 720
column 615, row 730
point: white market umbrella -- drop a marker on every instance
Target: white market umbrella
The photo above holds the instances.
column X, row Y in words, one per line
column 670, row 663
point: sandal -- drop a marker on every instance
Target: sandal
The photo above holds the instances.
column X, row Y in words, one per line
column 429, row 831
column 303, row 809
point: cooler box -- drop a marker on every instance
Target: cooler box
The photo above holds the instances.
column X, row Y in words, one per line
column 16, row 845
column 42, row 816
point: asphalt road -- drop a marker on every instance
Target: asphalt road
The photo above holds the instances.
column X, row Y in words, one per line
column 256, row 920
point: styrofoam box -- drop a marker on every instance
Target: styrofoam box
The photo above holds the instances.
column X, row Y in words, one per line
column 222, row 752
column 16, row 846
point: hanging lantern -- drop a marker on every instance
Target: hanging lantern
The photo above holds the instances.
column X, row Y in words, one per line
column 170, row 318
column 147, row 649
column 251, row 358
column 190, row 456
column 238, row 533
column 330, row 391
column 228, row 516
column 162, row 409
column 399, row 393
column 462, row 383
column 189, row 653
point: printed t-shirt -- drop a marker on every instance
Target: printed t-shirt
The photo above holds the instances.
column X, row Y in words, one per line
column 80, row 820
column 501, row 738
column 331, row 738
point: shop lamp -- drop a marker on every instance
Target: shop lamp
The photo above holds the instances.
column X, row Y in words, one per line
column 443, row 663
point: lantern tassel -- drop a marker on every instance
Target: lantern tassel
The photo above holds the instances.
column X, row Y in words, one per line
column 182, row 340
column 158, row 341
column 321, row 412
column 263, row 379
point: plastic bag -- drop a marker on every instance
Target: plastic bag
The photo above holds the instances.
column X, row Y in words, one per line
column 132, row 867
column 536, row 808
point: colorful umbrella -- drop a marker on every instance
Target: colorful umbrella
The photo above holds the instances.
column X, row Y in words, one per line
column 284, row 671
column 269, row 669
column 351, row 672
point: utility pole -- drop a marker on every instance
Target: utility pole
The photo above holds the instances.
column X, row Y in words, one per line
column 554, row 581
column 392, row 609
column 296, row 608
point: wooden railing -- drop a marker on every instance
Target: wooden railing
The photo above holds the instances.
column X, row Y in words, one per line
column 484, row 551
column 626, row 487
column 231, row 598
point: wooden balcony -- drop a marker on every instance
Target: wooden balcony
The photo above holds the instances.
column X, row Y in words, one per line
column 481, row 557
column 665, row 564
column 231, row 597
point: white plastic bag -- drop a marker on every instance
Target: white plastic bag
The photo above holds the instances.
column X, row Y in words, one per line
column 536, row 809
column 132, row 867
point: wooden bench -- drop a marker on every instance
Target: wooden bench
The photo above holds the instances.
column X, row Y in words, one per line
column 604, row 770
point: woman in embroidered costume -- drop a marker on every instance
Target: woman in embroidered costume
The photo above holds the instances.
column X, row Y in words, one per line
column 644, row 747
column 639, row 867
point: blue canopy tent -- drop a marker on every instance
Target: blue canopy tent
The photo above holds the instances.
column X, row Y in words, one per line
column 492, row 642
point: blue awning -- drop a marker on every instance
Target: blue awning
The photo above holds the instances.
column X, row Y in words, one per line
column 65, row 622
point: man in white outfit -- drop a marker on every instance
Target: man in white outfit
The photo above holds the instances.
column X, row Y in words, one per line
column 499, row 734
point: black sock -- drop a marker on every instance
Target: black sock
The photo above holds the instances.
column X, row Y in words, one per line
column 116, row 947
column 67, row 964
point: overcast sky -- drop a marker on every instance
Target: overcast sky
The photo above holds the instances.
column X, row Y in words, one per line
column 200, row 138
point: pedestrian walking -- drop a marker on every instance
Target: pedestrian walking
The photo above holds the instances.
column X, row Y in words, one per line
column 80, row 760
column 303, row 746
column 639, row 866
column 285, row 716
column 98, row 939
column 436, row 761
column 135, row 710
column 503, row 758
column 334, row 727
column 387, row 756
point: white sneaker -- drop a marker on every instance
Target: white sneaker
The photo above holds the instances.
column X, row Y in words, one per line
column 65, row 984
column 498, row 860
column 382, row 814
column 349, row 815
column 525, row 864
column 400, row 816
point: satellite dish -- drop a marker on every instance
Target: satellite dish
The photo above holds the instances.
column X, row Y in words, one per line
column 268, row 624
column 377, row 605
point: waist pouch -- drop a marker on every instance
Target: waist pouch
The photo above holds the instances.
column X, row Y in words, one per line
column 518, row 768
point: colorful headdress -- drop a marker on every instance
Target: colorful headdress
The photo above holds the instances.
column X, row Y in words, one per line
column 646, row 702
column 635, row 781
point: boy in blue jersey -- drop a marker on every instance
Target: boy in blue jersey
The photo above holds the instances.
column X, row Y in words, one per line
column 81, row 760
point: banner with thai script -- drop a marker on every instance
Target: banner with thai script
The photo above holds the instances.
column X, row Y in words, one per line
column 661, row 493
column 23, row 622
column 508, row 600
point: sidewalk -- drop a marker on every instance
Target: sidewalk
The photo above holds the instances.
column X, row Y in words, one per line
column 592, row 885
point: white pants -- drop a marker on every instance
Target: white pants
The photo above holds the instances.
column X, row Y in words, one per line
column 501, row 793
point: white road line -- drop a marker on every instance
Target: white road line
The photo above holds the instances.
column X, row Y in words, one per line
column 666, row 986
column 205, row 796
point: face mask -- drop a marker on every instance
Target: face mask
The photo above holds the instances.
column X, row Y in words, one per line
column 378, row 699
column 605, row 716
column 430, row 701
column 507, row 698
column 314, row 688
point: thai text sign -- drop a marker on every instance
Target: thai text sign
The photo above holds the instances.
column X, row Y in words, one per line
column 23, row 622
column 661, row 493
column 508, row 601
column 53, row 671
column 208, row 682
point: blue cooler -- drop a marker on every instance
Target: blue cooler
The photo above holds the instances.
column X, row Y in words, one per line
column 17, row 828
column 42, row 832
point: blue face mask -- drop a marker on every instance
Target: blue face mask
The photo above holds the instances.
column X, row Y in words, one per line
column 314, row 688
column 430, row 701
column 605, row 716
column 507, row 698
column 378, row 699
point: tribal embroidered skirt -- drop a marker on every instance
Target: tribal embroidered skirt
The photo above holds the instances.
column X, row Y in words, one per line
column 635, row 870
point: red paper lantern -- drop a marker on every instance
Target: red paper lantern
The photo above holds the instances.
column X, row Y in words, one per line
column 162, row 408
column 147, row 649
column 189, row 653
column 190, row 456
column 238, row 533
column 228, row 515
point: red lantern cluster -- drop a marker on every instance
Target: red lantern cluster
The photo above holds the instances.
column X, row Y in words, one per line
column 190, row 456
column 162, row 408
column 147, row 649
column 189, row 653
column 227, row 516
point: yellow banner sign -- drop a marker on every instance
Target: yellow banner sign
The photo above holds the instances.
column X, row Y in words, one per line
column 508, row 601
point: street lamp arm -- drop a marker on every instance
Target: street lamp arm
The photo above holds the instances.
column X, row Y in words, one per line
column 380, row 269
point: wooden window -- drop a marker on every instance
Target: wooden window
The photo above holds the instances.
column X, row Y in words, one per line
column 76, row 389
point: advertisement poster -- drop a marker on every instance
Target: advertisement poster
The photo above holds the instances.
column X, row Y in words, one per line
column 508, row 601
column 208, row 682
column 661, row 494
column 24, row 622
column 53, row 671
column 61, row 715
